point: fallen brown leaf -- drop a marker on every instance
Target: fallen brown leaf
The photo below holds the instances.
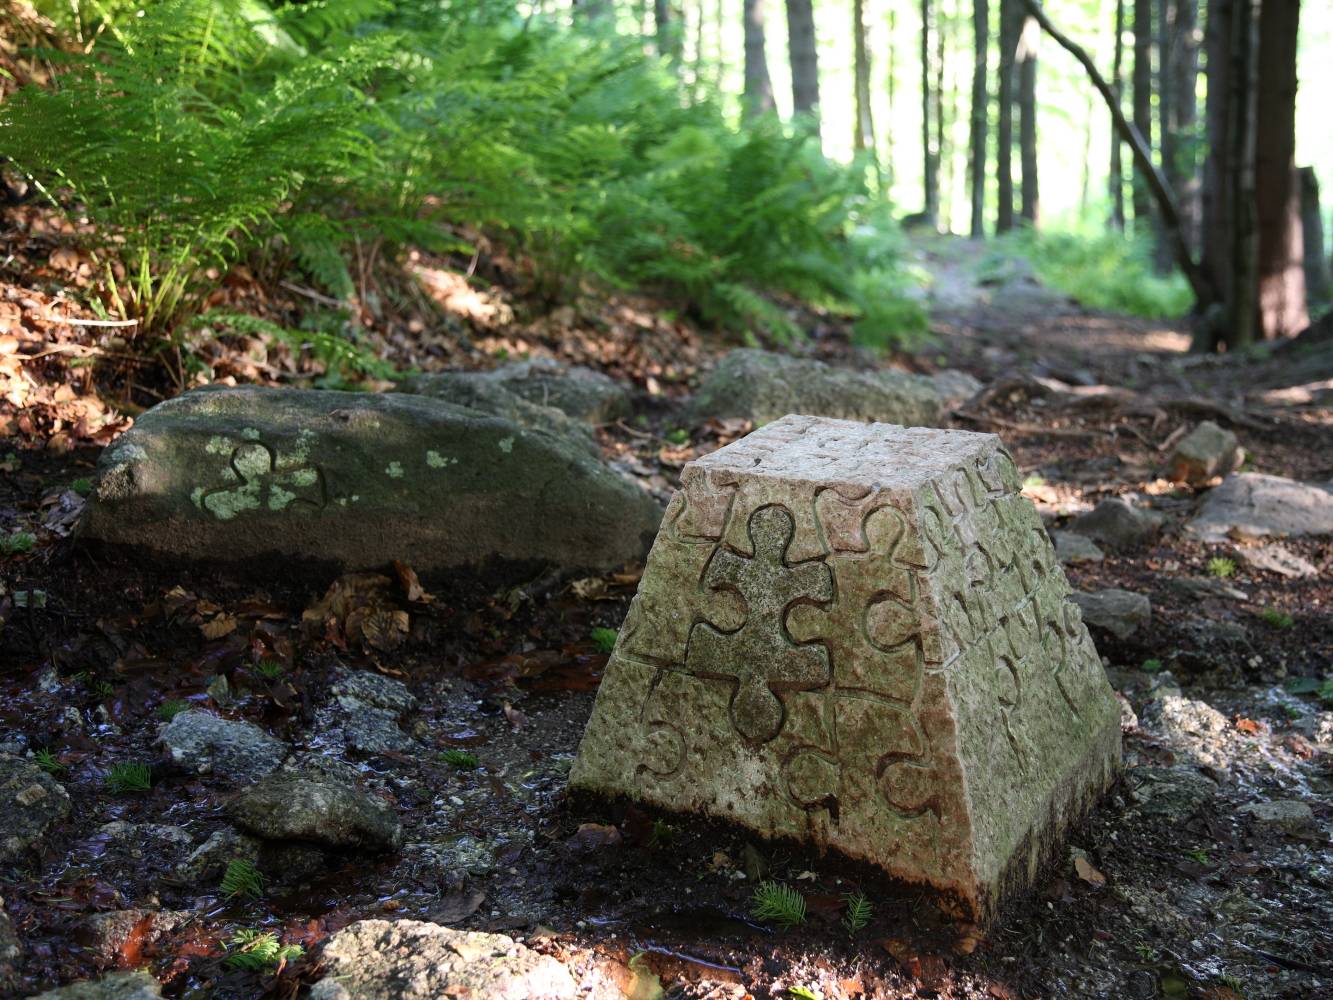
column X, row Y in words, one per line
column 1088, row 872
column 216, row 628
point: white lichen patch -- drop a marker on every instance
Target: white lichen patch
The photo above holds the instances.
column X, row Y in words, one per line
column 278, row 498
column 305, row 477
column 219, row 445
column 197, row 497
column 506, row 445
column 301, row 449
column 250, row 433
column 394, row 470
column 227, row 504
column 128, row 453
column 437, row 461
column 252, row 460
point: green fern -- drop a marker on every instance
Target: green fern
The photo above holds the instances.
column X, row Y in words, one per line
column 243, row 879
column 127, row 776
column 259, row 951
column 779, row 904
column 858, row 914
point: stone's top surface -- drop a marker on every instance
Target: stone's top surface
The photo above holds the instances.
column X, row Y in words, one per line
column 877, row 456
column 1254, row 505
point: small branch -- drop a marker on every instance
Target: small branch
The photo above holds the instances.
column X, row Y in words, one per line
column 74, row 321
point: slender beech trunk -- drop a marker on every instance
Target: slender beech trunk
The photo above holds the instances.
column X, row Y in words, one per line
column 976, row 139
column 1184, row 114
column 1141, row 86
column 930, row 155
column 863, row 137
column 1116, row 180
column 1282, row 306
column 758, row 98
column 943, row 171
column 1011, row 19
column 1027, row 117
column 889, row 173
column 804, row 60
column 1312, row 237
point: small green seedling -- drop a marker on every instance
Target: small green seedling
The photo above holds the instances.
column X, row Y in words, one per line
column 779, row 904
column 679, row 436
column 171, row 708
column 460, row 759
column 127, row 776
column 604, row 639
column 1152, row 666
column 103, row 689
column 259, row 951
column 1276, row 618
column 859, row 912
column 1200, row 854
column 49, row 762
column 17, row 543
column 1221, row 567
column 83, row 486
column 805, row 992
column 270, row 670
column 242, row 879
column 662, row 834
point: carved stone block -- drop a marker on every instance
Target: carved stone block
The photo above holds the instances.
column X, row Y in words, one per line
column 858, row 636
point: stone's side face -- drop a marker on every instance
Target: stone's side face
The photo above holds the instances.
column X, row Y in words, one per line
column 858, row 636
column 357, row 480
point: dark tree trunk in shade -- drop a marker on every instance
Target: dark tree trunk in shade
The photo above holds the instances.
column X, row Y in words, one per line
column 976, row 139
column 863, row 135
column 930, row 161
column 1312, row 238
column 758, row 97
column 1164, row 80
column 1230, row 238
column 1027, row 116
column 1182, row 112
column 1116, row 180
column 1282, row 306
column 1141, row 92
column 804, row 59
column 1011, row 20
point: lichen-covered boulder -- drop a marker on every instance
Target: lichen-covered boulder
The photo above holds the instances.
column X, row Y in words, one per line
column 859, row 637
column 763, row 386
column 317, row 809
column 414, row 960
column 342, row 480
column 31, row 802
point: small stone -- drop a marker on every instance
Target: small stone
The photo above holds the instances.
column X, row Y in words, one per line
column 955, row 387
column 1120, row 612
column 1204, row 453
column 116, row 986
column 826, row 646
column 1173, row 794
column 1118, row 524
column 764, row 386
column 203, row 743
column 1253, row 505
column 1072, row 548
column 369, row 730
column 1278, row 559
column 377, row 690
column 1186, row 720
column 413, row 960
column 31, row 802
column 11, row 950
column 106, row 934
column 1289, row 815
column 289, row 806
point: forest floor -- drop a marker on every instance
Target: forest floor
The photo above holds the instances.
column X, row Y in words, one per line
column 1171, row 888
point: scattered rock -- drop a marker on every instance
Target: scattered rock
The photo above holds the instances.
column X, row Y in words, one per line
column 1120, row 612
column 280, row 862
column 1072, row 548
column 1118, row 524
column 1186, row 718
column 350, row 480
column 369, row 730
column 289, row 806
column 116, row 986
column 1289, row 815
column 763, row 386
column 203, row 743
column 955, row 387
column 1277, row 559
column 11, row 950
column 578, row 392
column 159, row 835
column 1206, row 586
column 412, row 960
column 1172, row 793
column 31, row 802
column 1253, row 505
column 107, row 934
column 1203, row 453
column 375, row 689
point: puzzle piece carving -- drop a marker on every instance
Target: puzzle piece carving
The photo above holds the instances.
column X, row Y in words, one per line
column 259, row 483
column 857, row 636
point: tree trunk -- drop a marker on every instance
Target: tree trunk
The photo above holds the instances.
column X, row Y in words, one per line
column 1116, row 180
column 863, row 136
column 1027, row 116
column 804, row 59
column 1183, row 113
column 1011, row 20
column 893, row 90
column 943, row 163
column 665, row 29
column 930, row 160
column 758, row 98
column 1312, row 237
column 976, row 139
column 1164, row 79
column 1141, row 87
column 1282, row 307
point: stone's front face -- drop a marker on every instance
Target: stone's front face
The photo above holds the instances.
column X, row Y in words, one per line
column 858, row 636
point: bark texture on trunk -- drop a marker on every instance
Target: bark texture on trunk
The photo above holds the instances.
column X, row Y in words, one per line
column 1182, row 113
column 1312, row 237
column 1011, row 20
column 863, row 136
column 804, row 59
column 1141, row 87
column 976, row 139
column 758, row 98
column 1027, row 116
column 930, row 155
column 1282, row 307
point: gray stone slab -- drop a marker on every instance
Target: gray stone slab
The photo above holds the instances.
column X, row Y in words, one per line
column 858, row 637
column 1254, row 505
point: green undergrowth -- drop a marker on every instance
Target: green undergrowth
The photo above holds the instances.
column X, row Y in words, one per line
column 300, row 137
column 1106, row 270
